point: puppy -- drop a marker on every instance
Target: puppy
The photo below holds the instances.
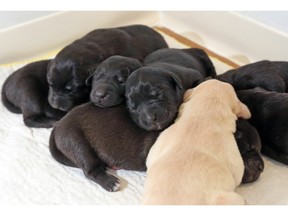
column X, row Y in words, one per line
column 269, row 75
column 26, row 91
column 155, row 92
column 69, row 70
column 196, row 159
column 269, row 116
column 249, row 144
column 109, row 79
column 191, row 58
column 93, row 138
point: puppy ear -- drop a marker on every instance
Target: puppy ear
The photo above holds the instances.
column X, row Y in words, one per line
column 242, row 110
column 177, row 81
column 187, row 95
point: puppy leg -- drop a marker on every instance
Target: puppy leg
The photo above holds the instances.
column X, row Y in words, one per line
column 78, row 150
column 42, row 119
column 32, row 103
column 38, row 120
column 55, row 114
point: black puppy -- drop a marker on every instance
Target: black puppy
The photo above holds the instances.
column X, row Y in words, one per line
column 109, row 79
column 193, row 58
column 269, row 75
column 93, row 138
column 270, row 117
column 26, row 91
column 73, row 64
column 249, row 145
column 155, row 92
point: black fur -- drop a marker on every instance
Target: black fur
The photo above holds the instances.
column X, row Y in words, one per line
column 270, row 117
column 26, row 91
column 93, row 138
column 109, row 79
column 69, row 70
column 249, row 145
column 155, row 92
column 269, row 75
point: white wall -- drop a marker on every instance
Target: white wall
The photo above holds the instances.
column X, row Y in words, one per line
column 12, row 18
column 230, row 34
column 274, row 19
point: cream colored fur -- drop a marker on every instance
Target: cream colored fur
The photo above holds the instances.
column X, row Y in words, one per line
column 196, row 160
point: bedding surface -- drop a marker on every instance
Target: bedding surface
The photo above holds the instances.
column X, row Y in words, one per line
column 29, row 174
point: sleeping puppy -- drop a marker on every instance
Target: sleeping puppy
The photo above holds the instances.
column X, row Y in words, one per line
column 69, row 70
column 26, row 91
column 249, row 145
column 109, row 79
column 155, row 92
column 270, row 117
column 93, row 138
column 196, row 160
column 269, row 75
column 191, row 58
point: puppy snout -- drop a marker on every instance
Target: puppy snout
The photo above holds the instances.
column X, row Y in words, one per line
column 105, row 95
column 152, row 117
column 260, row 166
column 100, row 93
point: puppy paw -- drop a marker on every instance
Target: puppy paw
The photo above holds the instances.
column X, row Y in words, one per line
column 111, row 183
column 108, row 182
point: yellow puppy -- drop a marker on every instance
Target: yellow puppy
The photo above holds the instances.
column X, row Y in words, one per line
column 196, row 160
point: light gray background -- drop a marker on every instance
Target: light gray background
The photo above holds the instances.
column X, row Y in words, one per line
column 274, row 19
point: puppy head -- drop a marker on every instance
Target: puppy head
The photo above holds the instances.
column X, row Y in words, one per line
column 109, row 79
column 153, row 97
column 249, row 145
column 67, row 86
column 239, row 109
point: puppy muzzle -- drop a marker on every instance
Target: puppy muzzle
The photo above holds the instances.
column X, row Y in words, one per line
column 254, row 166
column 155, row 119
column 106, row 95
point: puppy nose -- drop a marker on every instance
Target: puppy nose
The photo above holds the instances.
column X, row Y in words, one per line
column 260, row 166
column 101, row 93
column 152, row 117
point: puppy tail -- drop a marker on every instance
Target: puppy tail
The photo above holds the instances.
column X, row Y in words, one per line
column 7, row 103
column 56, row 153
column 227, row 198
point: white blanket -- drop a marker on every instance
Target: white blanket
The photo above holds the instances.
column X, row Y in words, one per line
column 29, row 175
